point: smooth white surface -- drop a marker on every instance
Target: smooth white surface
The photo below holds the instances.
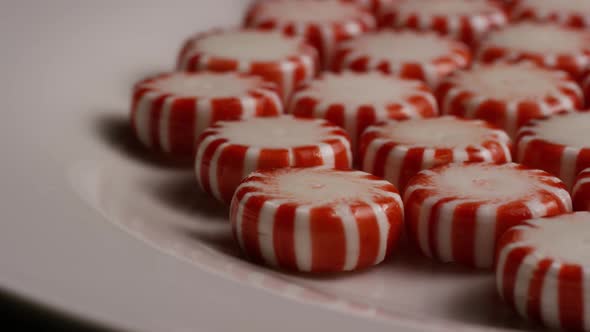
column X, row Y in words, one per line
column 321, row 186
column 571, row 130
column 207, row 85
column 71, row 171
column 565, row 237
column 485, row 182
column 406, row 46
column 444, row 7
column 353, row 89
column 510, row 82
column 275, row 132
column 445, row 131
column 250, row 45
column 310, row 11
column 533, row 37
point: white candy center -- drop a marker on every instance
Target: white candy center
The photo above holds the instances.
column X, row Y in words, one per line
column 485, row 182
column 543, row 7
column 321, row 186
column 275, row 132
column 250, row 45
column 442, row 132
column 206, row 85
column 540, row 38
column 444, row 7
column 362, row 89
column 403, row 46
column 510, row 82
column 566, row 237
column 571, row 130
column 310, row 11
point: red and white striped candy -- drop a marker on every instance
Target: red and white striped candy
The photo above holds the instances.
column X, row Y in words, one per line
column 285, row 60
column 373, row 5
column 542, row 270
column 508, row 5
column 568, row 49
column 324, row 23
column 424, row 56
column 228, row 151
column 508, row 95
column 465, row 20
column 456, row 212
column 558, row 145
column 575, row 13
column 585, row 83
column 316, row 219
column 169, row 111
column 354, row 101
column 581, row 191
column 398, row 150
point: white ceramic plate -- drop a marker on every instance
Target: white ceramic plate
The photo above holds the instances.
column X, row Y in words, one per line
column 70, row 172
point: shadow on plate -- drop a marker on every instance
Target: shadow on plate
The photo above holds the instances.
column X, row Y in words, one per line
column 476, row 303
column 114, row 130
column 182, row 193
column 405, row 258
column 409, row 258
column 223, row 242
column 480, row 304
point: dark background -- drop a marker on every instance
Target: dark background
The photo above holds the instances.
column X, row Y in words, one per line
column 24, row 315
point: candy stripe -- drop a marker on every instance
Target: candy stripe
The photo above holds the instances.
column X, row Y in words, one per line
column 535, row 290
column 283, row 234
column 221, row 164
column 373, row 5
column 574, row 61
column 330, row 255
column 468, row 27
column 323, row 36
column 552, row 11
column 266, row 232
column 563, row 161
column 322, row 99
column 585, row 83
column 397, row 162
column 462, row 99
column 465, row 230
column 310, row 237
column 287, row 73
column 182, row 136
column 552, row 290
column 550, row 298
column 229, row 155
column 581, row 191
column 353, row 56
column 172, row 123
column 383, row 230
column 250, row 221
column 303, row 244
